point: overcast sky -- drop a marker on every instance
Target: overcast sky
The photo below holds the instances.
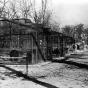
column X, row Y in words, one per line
column 70, row 11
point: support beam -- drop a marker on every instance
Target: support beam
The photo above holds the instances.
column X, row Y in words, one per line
column 14, row 21
column 38, row 47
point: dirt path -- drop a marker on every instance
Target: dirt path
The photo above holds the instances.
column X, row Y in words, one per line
column 9, row 79
column 65, row 74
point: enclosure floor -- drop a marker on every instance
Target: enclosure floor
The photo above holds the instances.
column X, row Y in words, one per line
column 69, row 73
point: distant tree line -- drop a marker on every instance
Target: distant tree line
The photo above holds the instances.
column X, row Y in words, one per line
column 78, row 32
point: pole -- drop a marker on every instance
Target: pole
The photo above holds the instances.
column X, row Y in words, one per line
column 32, row 49
column 36, row 48
column 27, row 65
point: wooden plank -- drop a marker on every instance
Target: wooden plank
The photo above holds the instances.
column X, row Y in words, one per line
column 12, row 57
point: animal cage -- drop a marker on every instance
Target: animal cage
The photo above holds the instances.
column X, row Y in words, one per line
column 42, row 43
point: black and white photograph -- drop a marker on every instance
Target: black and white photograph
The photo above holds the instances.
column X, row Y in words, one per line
column 43, row 43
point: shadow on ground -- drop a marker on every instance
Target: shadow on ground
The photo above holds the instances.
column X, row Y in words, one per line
column 78, row 56
column 74, row 56
column 20, row 74
column 80, row 65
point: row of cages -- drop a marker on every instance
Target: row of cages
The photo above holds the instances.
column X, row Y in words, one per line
column 49, row 46
column 25, row 41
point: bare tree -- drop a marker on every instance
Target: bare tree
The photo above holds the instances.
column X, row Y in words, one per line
column 26, row 8
column 55, row 26
column 43, row 15
column 68, row 30
column 79, row 31
column 2, row 8
column 9, row 10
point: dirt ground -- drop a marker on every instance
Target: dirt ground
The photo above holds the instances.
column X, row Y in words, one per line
column 69, row 73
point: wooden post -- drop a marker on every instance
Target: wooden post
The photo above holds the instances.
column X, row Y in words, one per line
column 57, row 42
column 32, row 48
column 36, row 47
column 28, row 60
column 10, row 37
column 61, row 45
column 47, row 48
column 44, row 48
column 27, row 65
